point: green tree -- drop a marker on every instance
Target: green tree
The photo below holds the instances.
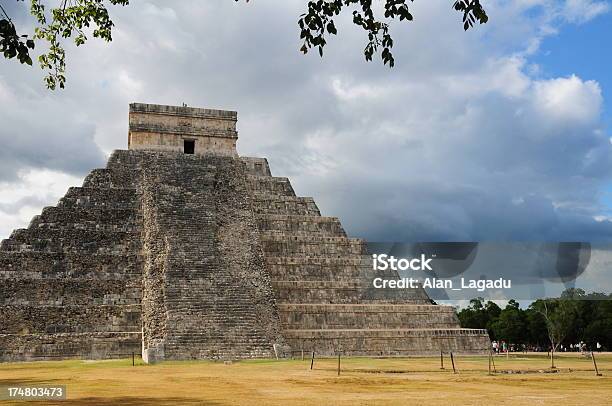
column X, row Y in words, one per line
column 473, row 315
column 318, row 22
column 599, row 327
column 479, row 315
column 560, row 316
column 586, row 308
column 536, row 327
column 510, row 325
column 492, row 311
column 72, row 18
column 573, row 317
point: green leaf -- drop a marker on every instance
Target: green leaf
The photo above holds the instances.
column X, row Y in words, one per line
column 331, row 28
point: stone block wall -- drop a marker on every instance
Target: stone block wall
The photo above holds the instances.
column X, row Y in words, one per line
column 154, row 127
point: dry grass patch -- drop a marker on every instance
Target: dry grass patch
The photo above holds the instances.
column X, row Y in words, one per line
column 393, row 381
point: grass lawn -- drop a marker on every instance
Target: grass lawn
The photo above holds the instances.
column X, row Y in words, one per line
column 366, row 381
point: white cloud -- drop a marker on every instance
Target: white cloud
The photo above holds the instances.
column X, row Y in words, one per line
column 569, row 99
column 581, row 11
column 21, row 201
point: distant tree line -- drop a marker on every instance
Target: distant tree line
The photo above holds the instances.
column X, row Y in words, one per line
column 573, row 317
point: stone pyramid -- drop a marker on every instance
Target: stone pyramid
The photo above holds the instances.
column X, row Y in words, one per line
column 181, row 249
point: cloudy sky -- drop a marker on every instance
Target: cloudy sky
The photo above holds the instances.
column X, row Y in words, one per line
column 500, row 133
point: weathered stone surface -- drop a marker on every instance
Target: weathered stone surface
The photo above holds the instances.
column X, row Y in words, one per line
column 71, row 283
column 155, row 127
column 207, row 293
column 180, row 256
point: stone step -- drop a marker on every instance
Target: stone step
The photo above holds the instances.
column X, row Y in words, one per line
column 182, row 353
column 268, row 185
column 195, row 306
column 300, row 225
column 198, row 350
column 92, row 218
column 223, row 286
column 207, row 311
column 208, row 304
column 210, row 331
column 324, row 284
column 311, row 245
column 234, row 302
column 363, row 274
column 384, row 332
column 113, row 198
column 72, row 291
column 319, row 260
column 91, row 345
column 109, row 178
column 198, row 325
column 387, row 342
column 63, row 236
column 288, row 205
column 217, row 348
column 73, row 241
column 138, row 161
column 300, row 292
column 217, row 344
column 25, row 319
column 256, row 166
column 367, row 316
column 37, row 265
column 224, row 340
column 317, row 272
column 213, row 330
column 344, row 292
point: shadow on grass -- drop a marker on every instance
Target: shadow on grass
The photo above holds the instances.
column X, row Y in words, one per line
column 132, row 401
column 103, row 401
column 31, row 382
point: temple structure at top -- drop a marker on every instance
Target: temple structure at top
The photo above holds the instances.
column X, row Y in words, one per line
column 198, row 131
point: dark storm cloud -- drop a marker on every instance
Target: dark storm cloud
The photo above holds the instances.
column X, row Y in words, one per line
column 38, row 134
column 40, row 129
column 14, row 207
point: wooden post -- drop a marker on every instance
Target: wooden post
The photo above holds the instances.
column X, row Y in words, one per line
column 493, row 361
column 302, row 354
column 133, row 361
column 441, row 360
column 312, row 361
column 453, row 362
column 275, row 351
column 552, row 359
column 490, row 356
column 338, row 363
column 595, row 364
